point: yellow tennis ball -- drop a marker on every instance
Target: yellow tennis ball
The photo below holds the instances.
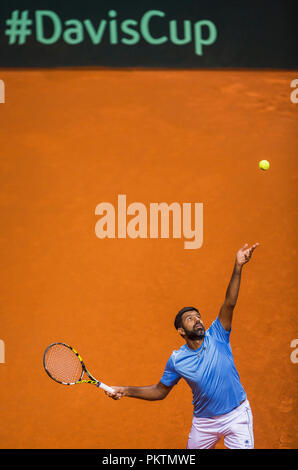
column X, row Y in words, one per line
column 264, row 165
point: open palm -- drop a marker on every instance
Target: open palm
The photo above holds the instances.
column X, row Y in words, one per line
column 244, row 254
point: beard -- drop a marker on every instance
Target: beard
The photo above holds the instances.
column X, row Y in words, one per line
column 195, row 333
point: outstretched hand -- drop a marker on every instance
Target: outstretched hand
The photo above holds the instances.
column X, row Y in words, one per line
column 245, row 253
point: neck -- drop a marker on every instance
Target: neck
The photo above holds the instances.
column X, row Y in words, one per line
column 194, row 343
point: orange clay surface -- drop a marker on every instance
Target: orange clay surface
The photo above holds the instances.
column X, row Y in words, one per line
column 71, row 139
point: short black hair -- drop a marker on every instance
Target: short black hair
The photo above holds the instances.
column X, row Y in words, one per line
column 178, row 318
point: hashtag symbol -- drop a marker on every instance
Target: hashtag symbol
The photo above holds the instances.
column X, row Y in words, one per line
column 18, row 27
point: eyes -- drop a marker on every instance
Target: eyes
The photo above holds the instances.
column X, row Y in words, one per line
column 190, row 317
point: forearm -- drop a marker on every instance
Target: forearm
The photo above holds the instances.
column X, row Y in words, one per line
column 234, row 285
column 150, row 392
column 227, row 308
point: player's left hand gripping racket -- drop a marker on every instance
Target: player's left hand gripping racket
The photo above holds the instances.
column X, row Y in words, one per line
column 64, row 365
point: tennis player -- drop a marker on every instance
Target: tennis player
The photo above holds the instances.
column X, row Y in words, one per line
column 206, row 362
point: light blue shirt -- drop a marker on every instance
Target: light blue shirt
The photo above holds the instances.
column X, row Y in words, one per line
column 209, row 371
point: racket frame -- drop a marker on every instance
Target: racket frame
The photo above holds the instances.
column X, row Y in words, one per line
column 84, row 370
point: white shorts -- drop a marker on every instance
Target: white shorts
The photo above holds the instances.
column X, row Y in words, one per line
column 236, row 427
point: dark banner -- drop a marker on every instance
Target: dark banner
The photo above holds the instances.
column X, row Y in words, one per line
column 141, row 458
column 149, row 33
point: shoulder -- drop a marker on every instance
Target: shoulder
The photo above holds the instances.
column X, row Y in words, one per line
column 178, row 354
column 217, row 331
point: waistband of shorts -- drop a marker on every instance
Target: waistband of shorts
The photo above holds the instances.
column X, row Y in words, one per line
column 243, row 404
column 236, row 410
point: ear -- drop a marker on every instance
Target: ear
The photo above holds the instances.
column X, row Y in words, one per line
column 181, row 331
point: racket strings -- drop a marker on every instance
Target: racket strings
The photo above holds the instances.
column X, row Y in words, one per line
column 63, row 364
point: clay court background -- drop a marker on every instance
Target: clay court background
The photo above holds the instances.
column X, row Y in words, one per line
column 71, row 139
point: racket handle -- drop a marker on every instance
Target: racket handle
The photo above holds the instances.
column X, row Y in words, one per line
column 106, row 388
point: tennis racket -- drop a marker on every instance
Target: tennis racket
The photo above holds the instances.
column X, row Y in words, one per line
column 64, row 365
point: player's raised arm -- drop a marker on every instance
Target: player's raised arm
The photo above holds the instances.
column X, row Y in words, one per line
column 226, row 311
column 150, row 392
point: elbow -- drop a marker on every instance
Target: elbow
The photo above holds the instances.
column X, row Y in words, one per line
column 162, row 392
column 162, row 397
column 156, row 398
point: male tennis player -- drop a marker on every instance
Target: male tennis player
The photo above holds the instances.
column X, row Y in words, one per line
column 206, row 362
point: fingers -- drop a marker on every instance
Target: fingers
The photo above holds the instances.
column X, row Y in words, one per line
column 251, row 249
column 255, row 246
column 116, row 395
column 244, row 247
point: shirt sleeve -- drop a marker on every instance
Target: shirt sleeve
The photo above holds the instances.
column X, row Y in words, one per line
column 217, row 331
column 170, row 376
